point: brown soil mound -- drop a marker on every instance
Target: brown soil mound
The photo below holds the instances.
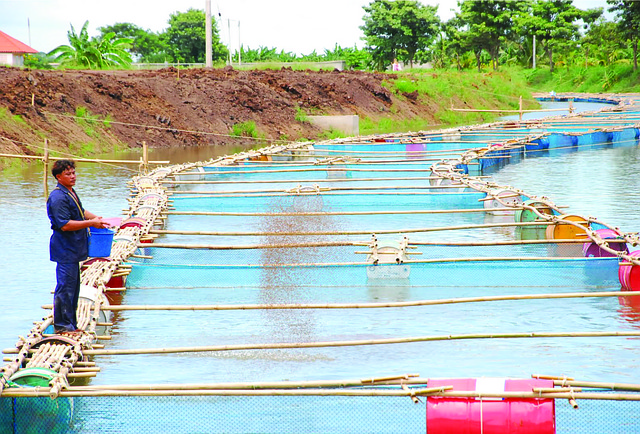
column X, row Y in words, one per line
column 171, row 107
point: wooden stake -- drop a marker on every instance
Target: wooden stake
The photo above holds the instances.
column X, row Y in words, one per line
column 45, row 161
column 520, row 108
column 145, row 156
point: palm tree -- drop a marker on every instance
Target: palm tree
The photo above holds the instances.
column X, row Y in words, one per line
column 94, row 53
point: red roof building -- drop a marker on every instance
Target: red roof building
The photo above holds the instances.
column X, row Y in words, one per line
column 12, row 51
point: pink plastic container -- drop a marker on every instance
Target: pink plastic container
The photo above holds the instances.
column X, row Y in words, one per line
column 593, row 250
column 446, row 415
column 629, row 275
column 114, row 222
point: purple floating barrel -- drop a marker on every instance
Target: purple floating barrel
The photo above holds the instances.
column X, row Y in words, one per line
column 592, row 250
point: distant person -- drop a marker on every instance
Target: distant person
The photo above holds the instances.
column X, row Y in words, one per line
column 68, row 244
column 396, row 65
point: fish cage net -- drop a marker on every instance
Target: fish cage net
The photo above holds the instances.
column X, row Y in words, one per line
column 271, row 414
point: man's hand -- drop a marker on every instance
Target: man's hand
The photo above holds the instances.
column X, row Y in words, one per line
column 98, row 223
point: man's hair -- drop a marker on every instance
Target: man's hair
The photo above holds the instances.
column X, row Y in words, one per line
column 61, row 165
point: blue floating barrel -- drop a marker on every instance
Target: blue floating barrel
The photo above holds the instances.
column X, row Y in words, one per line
column 100, row 242
column 537, row 144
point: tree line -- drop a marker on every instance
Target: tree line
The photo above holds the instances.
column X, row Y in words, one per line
column 483, row 32
column 501, row 32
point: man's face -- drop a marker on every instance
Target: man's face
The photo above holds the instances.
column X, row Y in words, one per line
column 67, row 178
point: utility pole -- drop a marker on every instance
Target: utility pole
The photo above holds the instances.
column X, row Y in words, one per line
column 534, row 51
column 239, row 46
column 207, row 61
column 229, row 47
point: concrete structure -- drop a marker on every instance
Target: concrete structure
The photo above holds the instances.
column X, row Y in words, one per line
column 340, row 65
column 349, row 124
column 12, row 51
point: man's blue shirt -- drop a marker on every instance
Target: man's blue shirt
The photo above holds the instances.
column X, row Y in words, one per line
column 66, row 246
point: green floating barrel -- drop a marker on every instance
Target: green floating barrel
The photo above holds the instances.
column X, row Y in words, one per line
column 533, row 232
column 527, row 215
column 36, row 414
column 33, row 377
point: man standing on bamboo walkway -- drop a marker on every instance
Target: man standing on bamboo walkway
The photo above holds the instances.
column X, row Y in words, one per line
column 69, row 244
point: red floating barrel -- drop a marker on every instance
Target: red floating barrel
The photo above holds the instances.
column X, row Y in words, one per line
column 594, row 250
column 114, row 282
column 133, row 222
column 488, row 415
column 629, row 275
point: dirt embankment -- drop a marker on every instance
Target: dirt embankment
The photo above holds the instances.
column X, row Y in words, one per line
column 167, row 107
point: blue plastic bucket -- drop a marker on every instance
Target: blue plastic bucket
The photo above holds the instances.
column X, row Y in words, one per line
column 100, row 242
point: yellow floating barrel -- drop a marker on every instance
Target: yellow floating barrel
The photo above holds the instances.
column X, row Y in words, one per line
column 568, row 231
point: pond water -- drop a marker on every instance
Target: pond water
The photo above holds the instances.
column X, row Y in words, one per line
column 601, row 182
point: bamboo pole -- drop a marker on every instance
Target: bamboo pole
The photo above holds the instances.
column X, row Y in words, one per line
column 82, row 160
column 334, row 213
column 507, row 110
column 344, row 264
column 356, row 161
column 306, row 169
column 256, row 385
column 321, row 152
column 310, row 181
column 198, row 195
column 598, row 385
column 401, row 304
column 504, row 243
column 361, row 232
column 589, row 120
column 42, row 391
column 559, row 148
column 349, row 161
column 444, row 391
column 327, row 344
column 321, row 190
column 257, row 246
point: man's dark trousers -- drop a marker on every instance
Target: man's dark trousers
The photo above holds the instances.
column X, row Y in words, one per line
column 66, row 296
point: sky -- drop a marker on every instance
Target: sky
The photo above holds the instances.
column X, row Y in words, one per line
column 298, row 26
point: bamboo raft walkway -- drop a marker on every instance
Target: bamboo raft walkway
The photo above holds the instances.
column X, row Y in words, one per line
column 454, row 172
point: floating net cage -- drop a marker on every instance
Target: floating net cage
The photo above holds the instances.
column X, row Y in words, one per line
column 355, row 258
